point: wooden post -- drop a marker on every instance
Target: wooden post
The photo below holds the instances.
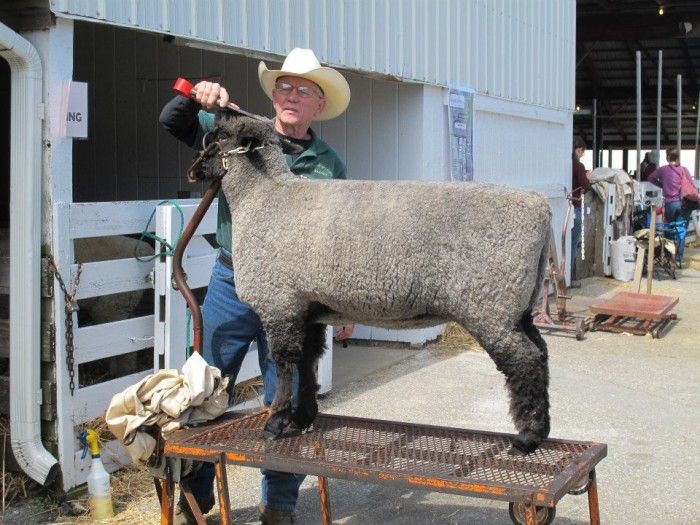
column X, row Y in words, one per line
column 639, row 266
column 652, row 246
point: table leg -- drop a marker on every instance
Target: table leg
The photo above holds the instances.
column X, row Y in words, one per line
column 167, row 500
column 222, row 486
column 194, row 506
column 324, row 494
column 593, row 499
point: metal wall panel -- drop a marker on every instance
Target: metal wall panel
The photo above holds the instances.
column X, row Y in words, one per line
column 522, row 50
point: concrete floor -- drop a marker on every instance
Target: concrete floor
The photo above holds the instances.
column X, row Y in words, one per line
column 358, row 361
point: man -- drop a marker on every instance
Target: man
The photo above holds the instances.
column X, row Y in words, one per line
column 301, row 91
column 580, row 184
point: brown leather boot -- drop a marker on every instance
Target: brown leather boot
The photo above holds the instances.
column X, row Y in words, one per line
column 275, row 517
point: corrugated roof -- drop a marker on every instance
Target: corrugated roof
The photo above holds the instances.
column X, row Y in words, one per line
column 514, row 49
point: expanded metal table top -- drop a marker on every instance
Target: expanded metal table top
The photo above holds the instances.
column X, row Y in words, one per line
column 432, row 458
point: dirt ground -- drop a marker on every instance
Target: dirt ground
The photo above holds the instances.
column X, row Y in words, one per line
column 637, row 394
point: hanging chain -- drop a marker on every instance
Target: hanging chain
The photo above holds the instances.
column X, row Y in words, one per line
column 70, row 308
column 583, row 229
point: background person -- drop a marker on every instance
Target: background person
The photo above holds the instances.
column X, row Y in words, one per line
column 668, row 178
column 647, row 167
column 301, row 92
column 580, row 184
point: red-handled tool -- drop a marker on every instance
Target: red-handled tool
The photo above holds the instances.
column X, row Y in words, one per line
column 186, row 89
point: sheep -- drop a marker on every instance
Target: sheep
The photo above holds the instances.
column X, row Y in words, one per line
column 391, row 254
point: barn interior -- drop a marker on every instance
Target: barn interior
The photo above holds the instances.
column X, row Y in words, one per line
column 610, row 34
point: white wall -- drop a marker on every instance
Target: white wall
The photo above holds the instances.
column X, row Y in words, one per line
column 397, row 131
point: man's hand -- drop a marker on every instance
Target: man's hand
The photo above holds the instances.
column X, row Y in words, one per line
column 211, row 94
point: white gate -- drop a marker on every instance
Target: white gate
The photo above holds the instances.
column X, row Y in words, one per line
column 164, row 329
column 92, row 343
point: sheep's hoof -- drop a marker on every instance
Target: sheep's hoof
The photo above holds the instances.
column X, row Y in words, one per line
column 266, row 435
column 291, row 430
column 275, row 427
column 525, row 443
column 304, row 415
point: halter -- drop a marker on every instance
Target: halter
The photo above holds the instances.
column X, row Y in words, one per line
column 223, row 155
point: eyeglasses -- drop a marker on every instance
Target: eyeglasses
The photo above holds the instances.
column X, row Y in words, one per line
column 286, row 89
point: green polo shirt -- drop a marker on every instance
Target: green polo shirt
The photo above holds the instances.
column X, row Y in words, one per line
column 319, row 161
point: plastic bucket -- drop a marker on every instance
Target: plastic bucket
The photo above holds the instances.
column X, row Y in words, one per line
column 623, row 258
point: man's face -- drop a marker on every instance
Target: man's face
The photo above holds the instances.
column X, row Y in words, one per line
column 293, row 110
column 579, row 153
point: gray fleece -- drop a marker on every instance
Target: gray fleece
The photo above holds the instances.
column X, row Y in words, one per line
column 393, row 254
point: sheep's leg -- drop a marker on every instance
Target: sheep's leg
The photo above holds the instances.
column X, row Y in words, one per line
column 280, row 418
column 285, row 338
column 314, row 347
column 520, row 354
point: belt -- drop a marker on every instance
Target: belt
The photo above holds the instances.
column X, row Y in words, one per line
column 225, row 260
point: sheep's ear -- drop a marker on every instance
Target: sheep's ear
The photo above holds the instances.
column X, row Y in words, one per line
column 289, row 147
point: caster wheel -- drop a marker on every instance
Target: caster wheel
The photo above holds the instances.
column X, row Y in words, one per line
column 580, row 490
column 580, row 330
column 543, row 515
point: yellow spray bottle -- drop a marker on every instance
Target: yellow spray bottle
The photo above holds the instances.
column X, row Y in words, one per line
column 99, row 490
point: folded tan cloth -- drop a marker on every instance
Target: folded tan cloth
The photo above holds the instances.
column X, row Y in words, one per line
column 169, row 400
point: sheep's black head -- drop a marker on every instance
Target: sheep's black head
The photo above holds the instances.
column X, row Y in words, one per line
column 235, row 135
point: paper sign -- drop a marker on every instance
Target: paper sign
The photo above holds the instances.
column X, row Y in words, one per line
column 74, row 110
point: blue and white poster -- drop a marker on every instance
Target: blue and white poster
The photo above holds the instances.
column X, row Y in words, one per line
column 460, row 109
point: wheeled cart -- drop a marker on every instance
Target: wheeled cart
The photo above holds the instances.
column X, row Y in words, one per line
column 634, row 313
column 431, row 458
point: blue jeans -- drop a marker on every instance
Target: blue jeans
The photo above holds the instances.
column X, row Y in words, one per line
column 673, row 212
column 575, row 240
column 229, row 327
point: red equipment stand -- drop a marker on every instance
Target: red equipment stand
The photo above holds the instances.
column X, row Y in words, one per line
column 634, row 313
column 555, row 275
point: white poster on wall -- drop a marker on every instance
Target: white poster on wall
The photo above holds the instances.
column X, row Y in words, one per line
column 460, row 109
column 74, row 109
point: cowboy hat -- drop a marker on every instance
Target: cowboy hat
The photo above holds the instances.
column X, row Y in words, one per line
column 303, row 63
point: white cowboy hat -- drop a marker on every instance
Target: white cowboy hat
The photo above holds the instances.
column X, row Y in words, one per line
column 303, row 63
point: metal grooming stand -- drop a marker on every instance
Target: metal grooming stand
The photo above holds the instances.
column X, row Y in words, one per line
column 437, row 459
